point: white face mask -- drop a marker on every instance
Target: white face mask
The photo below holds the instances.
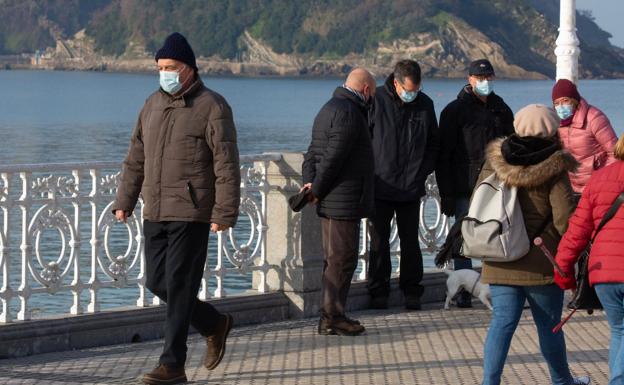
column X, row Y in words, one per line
column 408, row 96
column 483, row 87
column 170, row 81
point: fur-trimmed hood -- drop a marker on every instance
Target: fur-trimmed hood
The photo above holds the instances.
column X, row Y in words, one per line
column 532, row 175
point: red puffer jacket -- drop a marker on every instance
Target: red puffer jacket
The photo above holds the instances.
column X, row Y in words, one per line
column 606, row 260
column 590, row 139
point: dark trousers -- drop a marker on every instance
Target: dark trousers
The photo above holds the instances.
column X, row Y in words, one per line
column 380, row 266
column 340, row 249
column 461, row 210
column 175, row 254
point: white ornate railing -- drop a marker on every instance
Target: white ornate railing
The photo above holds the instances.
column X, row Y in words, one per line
column 432, row 232
column 74, row 200
column 94, row 253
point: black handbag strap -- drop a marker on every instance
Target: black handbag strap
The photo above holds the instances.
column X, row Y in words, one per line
column 610, row 214
column 542, row 227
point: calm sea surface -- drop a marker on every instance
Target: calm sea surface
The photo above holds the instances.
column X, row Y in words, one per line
column 86, row 116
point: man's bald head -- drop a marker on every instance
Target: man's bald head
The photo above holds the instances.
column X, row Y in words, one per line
column 362, row 81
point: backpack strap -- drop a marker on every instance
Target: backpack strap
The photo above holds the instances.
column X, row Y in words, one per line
column 610, row 214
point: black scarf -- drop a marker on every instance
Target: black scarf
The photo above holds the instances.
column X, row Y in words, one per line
column 528, row 150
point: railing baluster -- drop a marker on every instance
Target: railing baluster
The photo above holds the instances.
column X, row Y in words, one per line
column 94, row 195
column 24, row 288
column 39, row 202
column 75, row 244
column 219, row 269
column 265, row 188
column 6, row 290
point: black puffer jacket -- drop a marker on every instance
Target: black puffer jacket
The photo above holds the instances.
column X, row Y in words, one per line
column 467, row 125
column 339, row 161
column 406, row 141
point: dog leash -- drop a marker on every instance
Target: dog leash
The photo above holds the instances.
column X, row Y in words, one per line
column 475, row 284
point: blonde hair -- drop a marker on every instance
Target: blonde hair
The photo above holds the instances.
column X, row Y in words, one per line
column 618, row 151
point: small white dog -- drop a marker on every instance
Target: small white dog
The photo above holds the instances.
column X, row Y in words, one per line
column 470, row 281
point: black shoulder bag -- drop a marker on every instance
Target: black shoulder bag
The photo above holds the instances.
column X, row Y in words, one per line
column 585, row 297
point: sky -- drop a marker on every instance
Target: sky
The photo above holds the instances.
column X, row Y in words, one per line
column 608, row 14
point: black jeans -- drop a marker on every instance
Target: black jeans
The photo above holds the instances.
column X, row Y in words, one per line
column 175, row 254
column 462, row 204
column 380, row 266
column 340, row 249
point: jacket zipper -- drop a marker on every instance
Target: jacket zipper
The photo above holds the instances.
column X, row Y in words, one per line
column 191, row 191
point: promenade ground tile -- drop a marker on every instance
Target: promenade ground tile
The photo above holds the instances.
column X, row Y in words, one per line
column 432, row 346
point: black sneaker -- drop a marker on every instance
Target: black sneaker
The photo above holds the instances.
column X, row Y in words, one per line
column 412, row 303
column 464, row 299
column 379, row 302
column 583, row 380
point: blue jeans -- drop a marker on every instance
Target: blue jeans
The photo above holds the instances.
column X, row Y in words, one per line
column 461, row 209
column 546, row 305
column 611, row 296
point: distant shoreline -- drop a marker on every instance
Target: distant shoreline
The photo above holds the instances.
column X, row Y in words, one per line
column 12, row 67
column 330, row 69
column 231, row 70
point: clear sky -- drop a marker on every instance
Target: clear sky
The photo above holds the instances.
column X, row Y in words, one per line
column 608, row 14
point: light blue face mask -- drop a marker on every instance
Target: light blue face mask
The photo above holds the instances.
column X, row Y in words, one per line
column 483, row 87
column 170, row 81
column 564, row 111
column 408, row 96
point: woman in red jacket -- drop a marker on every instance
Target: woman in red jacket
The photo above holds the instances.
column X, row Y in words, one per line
column 606, row 260
column 585, row 132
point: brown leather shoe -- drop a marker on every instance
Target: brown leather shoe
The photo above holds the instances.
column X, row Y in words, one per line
column 215, row 344
column 340, row 325
column 165, row 374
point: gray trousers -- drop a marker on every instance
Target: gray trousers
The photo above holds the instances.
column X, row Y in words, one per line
column 340, row 248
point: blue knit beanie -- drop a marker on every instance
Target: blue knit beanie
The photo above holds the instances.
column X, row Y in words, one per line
column 176, row 47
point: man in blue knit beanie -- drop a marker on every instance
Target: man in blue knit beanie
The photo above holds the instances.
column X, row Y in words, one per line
column 183, row 160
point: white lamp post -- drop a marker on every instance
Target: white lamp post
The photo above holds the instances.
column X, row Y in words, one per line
column 567, row 50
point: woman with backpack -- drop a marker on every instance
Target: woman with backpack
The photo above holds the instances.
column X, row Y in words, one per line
column 606, row 259
column 533, row 161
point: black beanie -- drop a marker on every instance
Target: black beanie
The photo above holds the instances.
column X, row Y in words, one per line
column 176, row 47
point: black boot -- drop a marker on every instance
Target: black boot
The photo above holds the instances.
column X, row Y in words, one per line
column 464, row 299
column 379, row 302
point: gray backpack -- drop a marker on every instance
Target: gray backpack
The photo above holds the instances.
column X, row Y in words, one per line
column 494, row 229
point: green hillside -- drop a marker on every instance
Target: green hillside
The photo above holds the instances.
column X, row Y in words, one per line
column 524, row 29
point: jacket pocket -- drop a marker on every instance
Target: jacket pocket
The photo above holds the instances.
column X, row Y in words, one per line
column 600, row 160
column 191, row 192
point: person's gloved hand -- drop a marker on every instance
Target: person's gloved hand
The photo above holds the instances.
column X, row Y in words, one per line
column 567, row 282
column 448, row 206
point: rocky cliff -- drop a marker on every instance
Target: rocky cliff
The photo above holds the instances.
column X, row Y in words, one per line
column 275, row 37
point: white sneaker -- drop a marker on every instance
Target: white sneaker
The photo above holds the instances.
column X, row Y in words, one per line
column 582, row 380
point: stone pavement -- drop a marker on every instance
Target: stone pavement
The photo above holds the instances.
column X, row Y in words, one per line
column 432, row 346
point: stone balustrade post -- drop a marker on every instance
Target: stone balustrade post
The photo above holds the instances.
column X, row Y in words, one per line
column 294, row 248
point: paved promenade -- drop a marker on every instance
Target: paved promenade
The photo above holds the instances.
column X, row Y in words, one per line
column 432, row 346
